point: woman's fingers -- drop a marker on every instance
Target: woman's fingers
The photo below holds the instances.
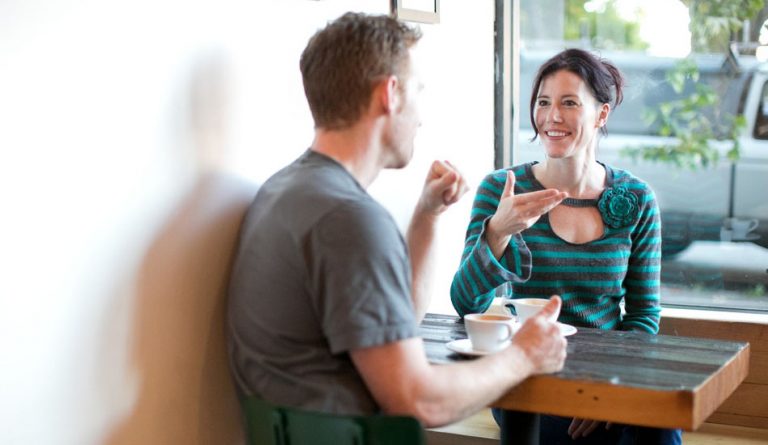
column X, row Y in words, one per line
column 575, row 423
column 519, row 212
column 541, row 195
column 509, row 186
column 582, row 427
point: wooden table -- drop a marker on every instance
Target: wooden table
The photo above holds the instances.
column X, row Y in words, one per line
column 623, row 377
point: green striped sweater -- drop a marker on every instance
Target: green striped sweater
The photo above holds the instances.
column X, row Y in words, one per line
column 591, row 278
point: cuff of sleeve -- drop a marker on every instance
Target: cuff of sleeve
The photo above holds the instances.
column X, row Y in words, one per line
column 377, row 336
column 515, row 264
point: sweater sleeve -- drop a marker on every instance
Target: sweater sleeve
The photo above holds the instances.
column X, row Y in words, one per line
column 642, row 282
column 480, row 273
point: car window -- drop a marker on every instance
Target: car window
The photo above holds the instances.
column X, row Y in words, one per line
column 761, row 122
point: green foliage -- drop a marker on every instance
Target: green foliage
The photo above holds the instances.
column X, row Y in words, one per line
column 757, row 291
column 713, row 22
column 606, row 29
column 686, row 119
column 692, row 121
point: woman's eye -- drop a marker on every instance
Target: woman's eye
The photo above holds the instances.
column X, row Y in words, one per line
column 570, row 103
column 542, row 103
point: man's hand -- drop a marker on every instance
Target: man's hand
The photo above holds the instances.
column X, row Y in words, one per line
column 444, row 186
column 517, row 213
column 541, row 341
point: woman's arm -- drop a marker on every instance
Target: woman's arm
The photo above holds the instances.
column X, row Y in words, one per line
column 494, row 250
column 642, row 300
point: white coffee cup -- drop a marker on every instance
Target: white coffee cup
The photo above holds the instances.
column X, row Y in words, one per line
column 489, row 332
column 528, row 307
column 742, row 227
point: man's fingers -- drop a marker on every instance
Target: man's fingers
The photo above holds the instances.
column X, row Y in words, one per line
column 552, row 308
column 446, row 181
column 451, row 194
column 439, row 168
column 455, row 190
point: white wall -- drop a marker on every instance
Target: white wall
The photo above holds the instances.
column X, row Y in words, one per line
column 112, row 115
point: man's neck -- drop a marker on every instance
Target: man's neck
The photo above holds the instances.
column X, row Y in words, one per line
column 355, row 148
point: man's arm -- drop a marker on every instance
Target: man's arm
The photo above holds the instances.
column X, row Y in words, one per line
column 443, row 187
column 403, row 382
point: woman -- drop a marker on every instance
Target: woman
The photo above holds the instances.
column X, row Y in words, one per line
column 570, row 226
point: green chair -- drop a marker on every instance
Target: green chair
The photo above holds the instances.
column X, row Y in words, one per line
column 267, row 424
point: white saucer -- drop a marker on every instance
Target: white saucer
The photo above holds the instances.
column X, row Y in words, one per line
column 464, row 346
column 748, row 237
column 566, row 329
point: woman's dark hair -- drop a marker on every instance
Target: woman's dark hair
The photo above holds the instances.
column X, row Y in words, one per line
column 601, row 76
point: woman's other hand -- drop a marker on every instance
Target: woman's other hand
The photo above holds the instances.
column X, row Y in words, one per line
column 584, row 427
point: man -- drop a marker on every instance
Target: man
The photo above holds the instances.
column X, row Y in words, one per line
column 326, row 296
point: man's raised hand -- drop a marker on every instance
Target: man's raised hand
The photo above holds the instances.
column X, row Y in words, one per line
column 444, row 186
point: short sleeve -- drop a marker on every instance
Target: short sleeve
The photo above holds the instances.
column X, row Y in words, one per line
column 359, row 268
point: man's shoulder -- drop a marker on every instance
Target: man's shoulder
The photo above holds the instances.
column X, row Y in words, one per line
column 311, row 184
column 310, row 196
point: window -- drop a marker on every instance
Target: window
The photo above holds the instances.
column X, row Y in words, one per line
column 761, row 121
column 714, row 216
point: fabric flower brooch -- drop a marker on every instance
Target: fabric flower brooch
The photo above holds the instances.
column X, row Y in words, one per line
column 618, row 207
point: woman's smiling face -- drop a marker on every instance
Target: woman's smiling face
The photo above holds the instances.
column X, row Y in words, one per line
column 567, row 115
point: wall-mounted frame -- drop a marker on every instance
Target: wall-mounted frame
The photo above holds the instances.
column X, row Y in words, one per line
column 423, row 11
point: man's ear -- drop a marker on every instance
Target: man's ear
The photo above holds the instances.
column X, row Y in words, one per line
column 602, row 115
column 388, row 94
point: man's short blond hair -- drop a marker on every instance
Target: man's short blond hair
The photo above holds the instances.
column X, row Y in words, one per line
column 343, row 61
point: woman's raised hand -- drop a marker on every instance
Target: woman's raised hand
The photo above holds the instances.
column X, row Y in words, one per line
column 517, row 213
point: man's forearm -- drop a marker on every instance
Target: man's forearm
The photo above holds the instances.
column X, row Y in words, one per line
column 402, row 382
column 443, row 400
column 421, row 247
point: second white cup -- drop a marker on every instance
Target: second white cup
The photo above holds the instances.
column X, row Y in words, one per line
column 528, row 307
column 489, row 332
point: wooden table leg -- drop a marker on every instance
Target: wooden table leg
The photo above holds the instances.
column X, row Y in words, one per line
column 519, row 428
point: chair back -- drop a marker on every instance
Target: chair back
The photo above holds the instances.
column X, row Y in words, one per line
column 267, row 424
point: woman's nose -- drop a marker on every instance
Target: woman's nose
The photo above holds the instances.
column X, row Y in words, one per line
column 554, row 114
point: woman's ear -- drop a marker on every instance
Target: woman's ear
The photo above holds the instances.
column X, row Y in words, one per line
column 602, row 115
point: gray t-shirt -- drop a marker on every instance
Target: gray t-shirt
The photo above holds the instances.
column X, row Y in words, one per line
column 321, row 269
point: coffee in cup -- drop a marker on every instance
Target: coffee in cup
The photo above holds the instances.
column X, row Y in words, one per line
column 489, row 332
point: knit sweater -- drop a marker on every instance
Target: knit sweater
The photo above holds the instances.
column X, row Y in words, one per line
column 591, row 278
